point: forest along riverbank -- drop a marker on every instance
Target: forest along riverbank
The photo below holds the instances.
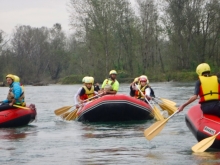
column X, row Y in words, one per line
column 51, row 141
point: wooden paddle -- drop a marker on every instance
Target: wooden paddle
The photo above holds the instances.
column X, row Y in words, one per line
column 14, row 105
column 167, row 101
column 204, row 144
column 71, row 115
column 170, row 107
column 157, row 114
column 63, row 110
column 155, row 129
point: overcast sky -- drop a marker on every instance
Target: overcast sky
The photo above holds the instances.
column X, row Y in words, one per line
column 36, row 13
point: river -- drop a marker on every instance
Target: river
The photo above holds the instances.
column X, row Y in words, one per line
column 52, row 141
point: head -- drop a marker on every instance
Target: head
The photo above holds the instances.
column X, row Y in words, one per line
column 203, row 69
column 136, row 80
column 89, row 82
column 145, row 77
column 10, row 79
column 113, row 74
column 143, row 81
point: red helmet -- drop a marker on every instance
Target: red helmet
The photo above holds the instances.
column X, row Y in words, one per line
column 143, row 79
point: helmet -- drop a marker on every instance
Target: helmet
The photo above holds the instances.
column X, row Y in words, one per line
column 203, row 67
column 89, row 80
column 17, row 79
column 92, row 79
column 144, row 76
column 112, row 72
column 136, row 79
column 143, row 79
column 10, row 76
column 83, row 80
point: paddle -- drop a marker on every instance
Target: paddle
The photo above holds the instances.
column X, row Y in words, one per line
column 167, row 101
column 14, row 105
column 155, row 129
column 204, row 144
column 64, row 109
column 156, row 111
column 71, row 115
column 169, row 106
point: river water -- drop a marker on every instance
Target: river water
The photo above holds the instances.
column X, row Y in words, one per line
column 52, row 141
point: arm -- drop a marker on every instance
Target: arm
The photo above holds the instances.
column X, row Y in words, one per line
column 193, row 98
column 147, row 93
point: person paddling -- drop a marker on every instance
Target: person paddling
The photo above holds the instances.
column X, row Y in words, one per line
column 15, row 95
column 110, row 85
column 207, row 87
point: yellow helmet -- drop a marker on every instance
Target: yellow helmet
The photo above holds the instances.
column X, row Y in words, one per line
column 203, row 67
column 89, row 80
column 83, row 80
column 136, row 79
column 112, row 72
column 10, row 76
column 17, row 79
column 92, row 79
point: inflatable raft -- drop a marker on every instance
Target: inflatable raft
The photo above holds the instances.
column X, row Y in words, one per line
column 17, row 117
column 203, row 125
column 114, row 108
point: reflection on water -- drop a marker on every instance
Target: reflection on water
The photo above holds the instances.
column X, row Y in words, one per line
column 51, row 140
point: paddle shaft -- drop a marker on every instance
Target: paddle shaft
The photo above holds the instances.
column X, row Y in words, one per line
column 162, row 123
column 14, row 105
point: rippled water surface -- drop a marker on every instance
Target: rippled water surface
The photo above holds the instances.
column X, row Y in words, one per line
column 51, row 141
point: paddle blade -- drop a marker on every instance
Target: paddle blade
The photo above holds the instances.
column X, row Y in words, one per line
column 168, row 101
column 72, row 115
column 63, row 116
column 204, row 144
column 157, row 114
column 62, row 110
column 170, row 108
column 154, row 129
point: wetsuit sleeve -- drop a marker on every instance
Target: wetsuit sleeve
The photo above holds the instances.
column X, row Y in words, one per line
column 197, row 87
column 82, row 92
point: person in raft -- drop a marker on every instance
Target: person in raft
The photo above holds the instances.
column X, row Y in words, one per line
column 144, row 88
column 110, row 85
column 207, row 87
column 15, row 94
column 87, row 91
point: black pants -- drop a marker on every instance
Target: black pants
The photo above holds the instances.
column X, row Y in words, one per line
column 5, row 106
column 212, row 108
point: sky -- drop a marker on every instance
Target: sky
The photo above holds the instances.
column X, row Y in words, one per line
column 36, row 13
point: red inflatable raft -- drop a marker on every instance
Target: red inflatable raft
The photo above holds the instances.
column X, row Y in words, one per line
column 111, row 108
column 203, row 125
column 17, row 117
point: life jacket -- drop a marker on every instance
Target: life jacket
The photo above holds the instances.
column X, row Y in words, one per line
column 138, row 94
column 88, row 93
column 209, row 89
column 10, row 97
column 109, row 84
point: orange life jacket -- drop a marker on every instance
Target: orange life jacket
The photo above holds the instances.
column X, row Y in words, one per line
column 138, row 94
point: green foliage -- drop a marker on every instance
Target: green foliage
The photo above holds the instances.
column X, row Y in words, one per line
column 72, row 79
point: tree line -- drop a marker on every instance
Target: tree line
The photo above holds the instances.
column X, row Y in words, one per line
column 156, row 38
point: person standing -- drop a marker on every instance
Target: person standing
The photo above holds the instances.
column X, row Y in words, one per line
column 207, row 87
column 111, row 84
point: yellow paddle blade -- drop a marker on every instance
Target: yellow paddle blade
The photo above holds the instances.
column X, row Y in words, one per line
column 155, row 129
column 72, row 115
column 14, row 105
column 170, row 108
column 62, row 110
column 157, row 113
column 204, row 144
column 168, row 101
column 63, row 116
